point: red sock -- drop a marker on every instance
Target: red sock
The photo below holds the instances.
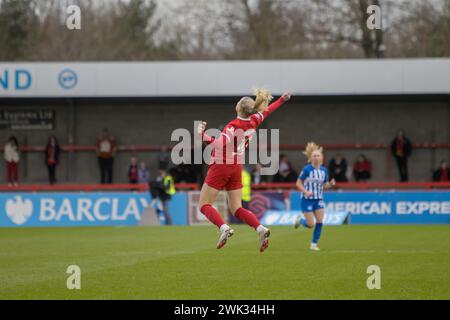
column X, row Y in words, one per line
column 212, row 215
column 248, row 217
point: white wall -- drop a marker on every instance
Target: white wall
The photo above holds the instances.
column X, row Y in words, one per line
column 226, row 78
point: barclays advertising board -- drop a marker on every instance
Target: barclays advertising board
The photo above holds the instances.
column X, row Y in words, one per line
column 71, row 209
column 387, row 207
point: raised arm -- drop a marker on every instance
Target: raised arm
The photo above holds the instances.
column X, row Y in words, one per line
column 218, row 142
column 274, row 106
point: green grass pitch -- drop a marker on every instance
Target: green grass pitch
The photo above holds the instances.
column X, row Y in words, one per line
column 182, row 263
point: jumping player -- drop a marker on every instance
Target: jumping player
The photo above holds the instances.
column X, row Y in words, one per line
column 311, row 182
column 225, row 169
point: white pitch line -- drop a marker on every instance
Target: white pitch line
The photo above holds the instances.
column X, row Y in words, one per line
column 386, row 251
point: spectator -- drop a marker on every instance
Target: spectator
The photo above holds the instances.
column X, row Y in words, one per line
column 285, row 172
column 401, row 149
column 338, row 168
column 12, row 158
column 442, row 174
column 133, row 171
column 143, row 173
column 362, row 169
column 52, row 158
column 184, row 173
column 164, row 158
column 257, row 177
column 106, row 150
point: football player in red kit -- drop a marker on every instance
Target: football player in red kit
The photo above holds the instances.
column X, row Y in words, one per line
column 225, row 169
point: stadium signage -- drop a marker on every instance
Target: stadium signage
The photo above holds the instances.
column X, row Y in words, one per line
column 174, row 79
column 387, row 207
column 423, row 207
column 72, row 209
column 287, row 218
column 366, row 207
column 27, row 119
column 381, row 208
column 17, row 79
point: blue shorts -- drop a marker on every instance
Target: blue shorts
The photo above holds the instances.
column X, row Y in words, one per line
column 310, row 205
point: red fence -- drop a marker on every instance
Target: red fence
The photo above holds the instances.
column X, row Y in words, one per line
column 152, row 148
column 194, row 186
column 72, row 148
column 88, row 187
column 364, row 186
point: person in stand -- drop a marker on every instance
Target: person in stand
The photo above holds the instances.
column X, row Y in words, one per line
column 52, row 151
column 338, row 168
column 257, row 177
column 106, row 150
column 362, row 169
column 133, row 171
column 285, row 171
column 401, row 150
column 164, row 158
column 12, row 158
column 143, row 173
column 442, row 174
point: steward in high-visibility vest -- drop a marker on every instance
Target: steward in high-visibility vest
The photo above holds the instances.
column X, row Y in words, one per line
column 246, row 186
column 169, row 185
column 166, row 189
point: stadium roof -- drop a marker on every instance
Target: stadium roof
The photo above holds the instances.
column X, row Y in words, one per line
column 224, row 78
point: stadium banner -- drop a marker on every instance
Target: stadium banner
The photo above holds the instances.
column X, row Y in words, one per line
column 42, row 119
column 287, row 218
column 195, row 217
column 261, row 203
column 387, row 207
column 174, row 79
column 81, row 209
column 178, row 208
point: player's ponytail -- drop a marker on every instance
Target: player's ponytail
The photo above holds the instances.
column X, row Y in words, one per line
column 310, row 148
column 263, row 97
column 248, row 106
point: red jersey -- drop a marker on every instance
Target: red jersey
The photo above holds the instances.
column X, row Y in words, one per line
column 363, row 166
column 235, row 137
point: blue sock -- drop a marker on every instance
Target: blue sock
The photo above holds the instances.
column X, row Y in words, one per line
column 317, row 232
column 303, row 223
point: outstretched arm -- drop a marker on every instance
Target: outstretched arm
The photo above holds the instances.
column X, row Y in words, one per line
column 274, row 106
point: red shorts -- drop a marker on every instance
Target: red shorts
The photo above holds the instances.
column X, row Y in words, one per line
column 224, row 176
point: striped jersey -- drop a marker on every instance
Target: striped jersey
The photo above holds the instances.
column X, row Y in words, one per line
column 314, row 180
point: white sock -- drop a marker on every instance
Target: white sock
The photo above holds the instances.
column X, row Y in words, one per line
column 224, row 227
column 261, row 228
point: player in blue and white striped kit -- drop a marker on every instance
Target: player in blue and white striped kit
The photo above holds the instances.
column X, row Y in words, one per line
column 311, row 182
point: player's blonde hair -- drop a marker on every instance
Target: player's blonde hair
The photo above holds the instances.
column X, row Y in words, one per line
column 263, row 97
column 248, row 106
column 311, row 147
